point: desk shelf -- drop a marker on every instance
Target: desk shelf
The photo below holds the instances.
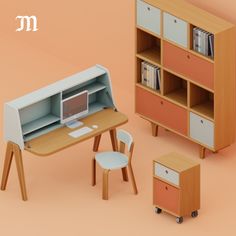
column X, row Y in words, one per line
column 43, row 130
column 39, row 123
column 92, row 88
column 95, row 107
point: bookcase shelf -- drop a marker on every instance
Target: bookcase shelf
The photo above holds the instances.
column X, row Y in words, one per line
column 148, row 89
column 202, row 101
column 175, row 88
column 148, row 47
column 205, row 109
column 151, row 55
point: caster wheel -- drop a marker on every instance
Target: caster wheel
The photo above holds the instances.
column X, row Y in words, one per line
column 194, row 214
column 179, row 220
column 158, row 210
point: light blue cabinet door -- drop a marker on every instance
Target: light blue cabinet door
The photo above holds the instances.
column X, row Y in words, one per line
column 175, row 30
column 201, row 130
column 148, row 17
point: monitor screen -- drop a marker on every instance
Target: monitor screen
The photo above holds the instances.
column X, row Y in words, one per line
column 74, row 107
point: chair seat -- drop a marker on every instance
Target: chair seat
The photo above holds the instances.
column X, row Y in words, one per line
column 111, row 160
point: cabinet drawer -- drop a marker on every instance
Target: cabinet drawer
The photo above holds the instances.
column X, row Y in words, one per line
column 189, row 65
column 167, row 174
column 175, row 29
column 148, row 17
column 154, row 107
column 201, row 130
column 166, row 196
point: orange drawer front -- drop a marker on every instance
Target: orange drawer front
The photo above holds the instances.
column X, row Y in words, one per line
column 189, row 65
column 166, row 196
column 157, row 109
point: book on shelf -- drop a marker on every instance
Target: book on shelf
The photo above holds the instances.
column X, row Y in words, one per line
column 211, row 43
column 150, row 75
column 203, row 42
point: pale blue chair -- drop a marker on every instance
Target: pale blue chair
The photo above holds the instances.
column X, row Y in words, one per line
column 115, row 160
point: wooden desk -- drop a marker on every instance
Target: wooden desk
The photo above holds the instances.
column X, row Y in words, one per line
column 47, row 144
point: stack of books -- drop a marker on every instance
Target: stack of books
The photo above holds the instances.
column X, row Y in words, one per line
column 151, row 75
column 203, row 42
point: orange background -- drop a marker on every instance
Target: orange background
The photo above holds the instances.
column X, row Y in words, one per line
column 72, row 36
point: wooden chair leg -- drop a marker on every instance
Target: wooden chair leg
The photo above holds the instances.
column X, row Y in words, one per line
column 154, row 129
column 114, row 140
column 105, row 185
column 20, row 170
column 93, row 172
column 96, row 143
column 133, row 179
column 124, row 170
column 125, row 174
column 7, row 165
column 202, row 152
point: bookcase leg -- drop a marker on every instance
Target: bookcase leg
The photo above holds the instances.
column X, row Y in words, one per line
column 154, row 129
column 114, row 139
column 96, row 143
column 14, row 149
column 202, row 152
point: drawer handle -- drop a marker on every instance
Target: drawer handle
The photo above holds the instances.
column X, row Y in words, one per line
column 166, row 188
column 202, row 121
column 162, row 103
column 167, row 172
column 188, row 56
column 149, row 9
column 175, row 21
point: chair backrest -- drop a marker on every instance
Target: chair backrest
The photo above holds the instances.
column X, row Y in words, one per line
column 125, row 138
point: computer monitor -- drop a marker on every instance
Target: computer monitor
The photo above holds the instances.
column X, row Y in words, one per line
column 73, row 108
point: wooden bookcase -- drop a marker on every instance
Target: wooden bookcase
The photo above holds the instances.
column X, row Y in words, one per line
column 197, row 92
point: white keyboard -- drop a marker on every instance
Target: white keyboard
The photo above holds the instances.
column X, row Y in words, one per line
column 80, row 132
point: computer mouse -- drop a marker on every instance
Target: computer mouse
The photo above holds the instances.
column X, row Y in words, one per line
column 94, row 126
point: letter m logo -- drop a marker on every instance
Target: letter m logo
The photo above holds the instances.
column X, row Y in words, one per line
column 28, row 22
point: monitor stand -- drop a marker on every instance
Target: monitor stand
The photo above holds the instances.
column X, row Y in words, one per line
column 73, row 124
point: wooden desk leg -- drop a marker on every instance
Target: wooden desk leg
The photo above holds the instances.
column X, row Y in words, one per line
column 202, row 152
column 96, row 143
column 154, row 129
column 7, row 165
column 13, row 149
column 114, row 140
column 20, row 170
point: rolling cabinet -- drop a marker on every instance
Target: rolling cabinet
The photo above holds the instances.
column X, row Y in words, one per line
column 196, row 98
column 176, row 186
